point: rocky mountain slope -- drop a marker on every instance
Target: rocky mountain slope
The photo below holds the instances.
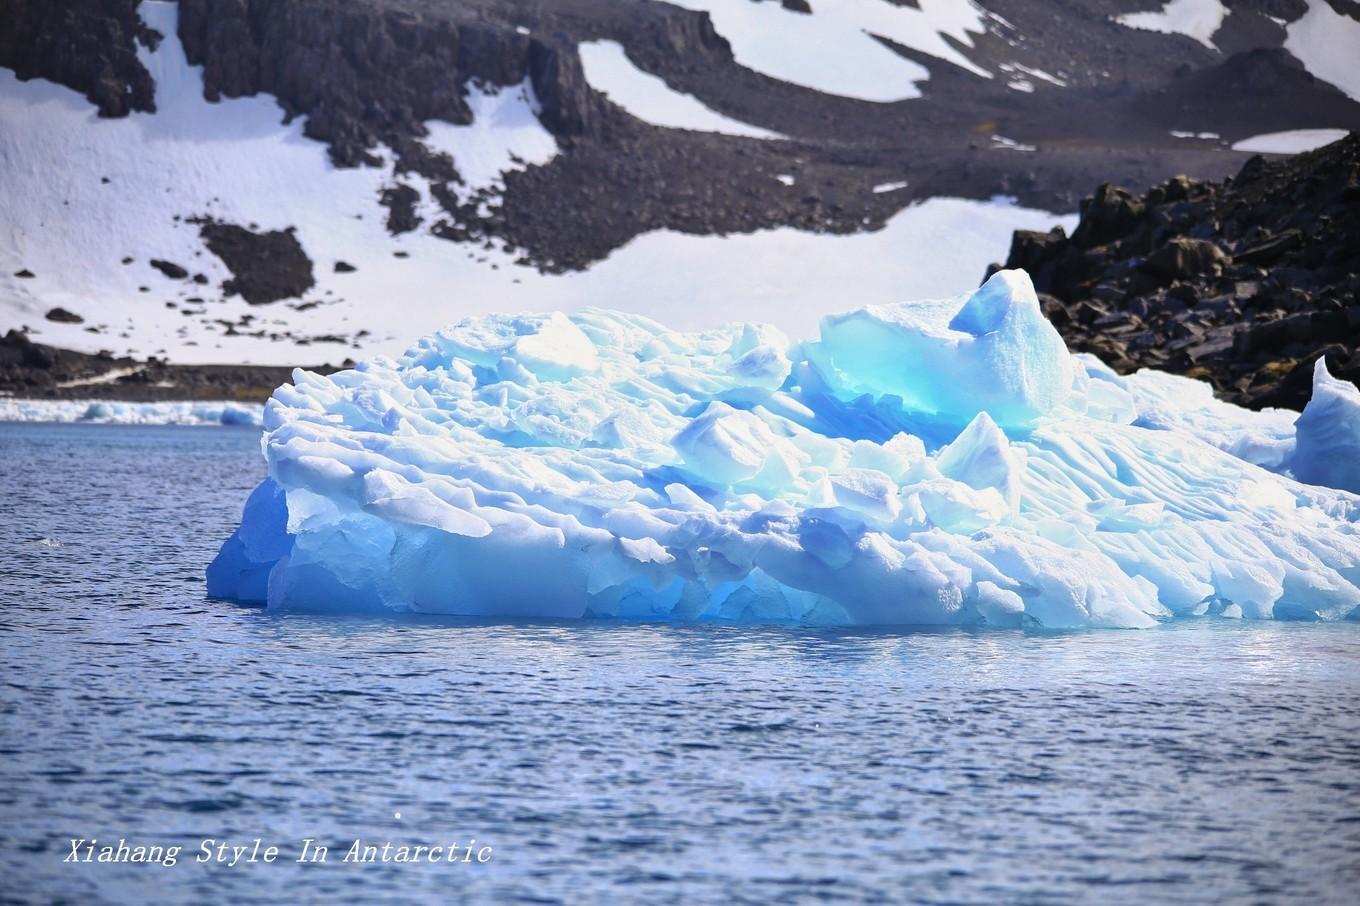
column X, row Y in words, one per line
column 1244, row 283
column 267, row 173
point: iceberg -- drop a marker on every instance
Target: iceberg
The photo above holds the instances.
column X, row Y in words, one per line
column 931, row 463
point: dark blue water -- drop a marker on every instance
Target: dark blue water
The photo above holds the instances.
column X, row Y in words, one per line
column 606, row 763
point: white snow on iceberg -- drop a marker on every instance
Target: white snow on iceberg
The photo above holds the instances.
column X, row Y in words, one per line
column 940, row 462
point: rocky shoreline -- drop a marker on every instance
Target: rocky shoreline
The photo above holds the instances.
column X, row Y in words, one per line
column 31, row 370
column 1243, row 283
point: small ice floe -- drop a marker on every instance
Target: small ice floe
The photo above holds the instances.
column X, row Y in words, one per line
column 115, row 412
column 839, row 49
column 889, row 187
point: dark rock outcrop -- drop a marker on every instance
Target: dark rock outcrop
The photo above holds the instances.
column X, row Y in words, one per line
column 169, row 268
column 88, row 45
column 400, row 201
column 1244, row 283
column 62, row 316
column 265, row 267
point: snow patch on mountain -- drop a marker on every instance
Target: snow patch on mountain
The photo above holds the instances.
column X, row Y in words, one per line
column 504, row 135
column 1328, row 44
column 834, row 49
column 650, row 99
column 1198, row 19
column 83, row 194
column 1294, row 141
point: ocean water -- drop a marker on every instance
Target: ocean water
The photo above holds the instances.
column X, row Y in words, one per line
column 620, row 763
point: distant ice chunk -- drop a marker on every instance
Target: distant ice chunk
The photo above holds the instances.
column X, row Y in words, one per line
column 942, row 462
column 1325, row 41
column 115, row 412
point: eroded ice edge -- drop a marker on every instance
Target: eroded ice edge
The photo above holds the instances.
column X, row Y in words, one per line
column 940, row 462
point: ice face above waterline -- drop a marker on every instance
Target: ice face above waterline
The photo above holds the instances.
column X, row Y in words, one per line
column 940, row 462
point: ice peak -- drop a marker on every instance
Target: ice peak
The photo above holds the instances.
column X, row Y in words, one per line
column 1327, row 434
column 1005, row 294
column 990, row 351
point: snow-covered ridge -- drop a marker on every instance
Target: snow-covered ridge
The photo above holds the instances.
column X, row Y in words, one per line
column 834, row 49
column 943, row 462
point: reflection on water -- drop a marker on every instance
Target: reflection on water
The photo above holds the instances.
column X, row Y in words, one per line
column 616, row 763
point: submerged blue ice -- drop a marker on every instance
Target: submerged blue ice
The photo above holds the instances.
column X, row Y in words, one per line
column 941, row 462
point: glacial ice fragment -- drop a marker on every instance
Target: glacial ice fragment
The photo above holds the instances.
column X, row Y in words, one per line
column 995, row 353
column 1327, row 442
column 941, row 462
